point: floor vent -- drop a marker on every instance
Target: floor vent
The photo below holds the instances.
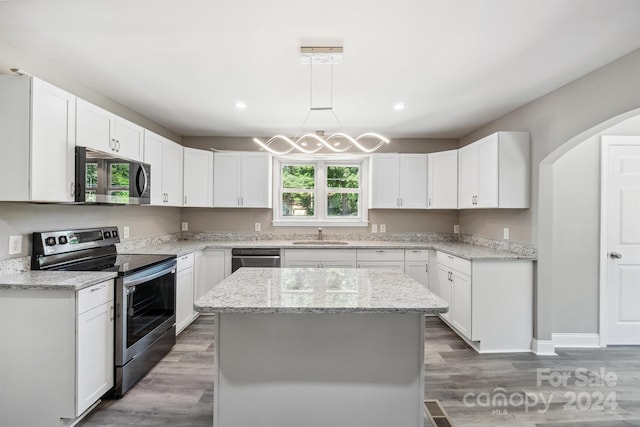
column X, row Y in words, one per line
column 436, row 414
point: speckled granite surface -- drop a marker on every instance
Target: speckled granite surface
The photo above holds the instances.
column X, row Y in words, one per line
column 313, row 290
column 53, row 280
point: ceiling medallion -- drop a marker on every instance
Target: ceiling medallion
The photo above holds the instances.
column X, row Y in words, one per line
column 313, row 142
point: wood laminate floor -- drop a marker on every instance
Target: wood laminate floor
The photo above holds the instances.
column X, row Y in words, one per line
column 178, row 391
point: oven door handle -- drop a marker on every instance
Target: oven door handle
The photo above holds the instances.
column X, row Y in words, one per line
column 148, row 278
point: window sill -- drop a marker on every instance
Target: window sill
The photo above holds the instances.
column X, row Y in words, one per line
column 320, row 223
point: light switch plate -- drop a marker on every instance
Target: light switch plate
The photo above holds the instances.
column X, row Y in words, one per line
column 125, row 231
column 374, row 228
column 506, row 233
column 383, row 228
column 456, row 228
column 185, row 226
column 257, row 226
column 15, row 245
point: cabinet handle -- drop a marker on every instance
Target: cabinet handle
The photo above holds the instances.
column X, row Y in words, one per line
column 112, row 144
column 112, row 310
column 185, row 199
column 241, row 201
column 379, row 251
column 97, row 288
column 118, row 145
column 429, row 201
column 426, row 268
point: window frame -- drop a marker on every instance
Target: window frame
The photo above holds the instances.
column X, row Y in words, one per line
column 321, row 191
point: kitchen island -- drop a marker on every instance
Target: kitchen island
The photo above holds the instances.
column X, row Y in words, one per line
column 319, row 347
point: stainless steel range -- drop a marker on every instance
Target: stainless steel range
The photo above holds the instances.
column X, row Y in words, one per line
column 145, row 294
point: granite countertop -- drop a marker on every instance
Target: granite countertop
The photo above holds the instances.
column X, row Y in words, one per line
column 54, row 280
column 313, row 290
column 462, row 250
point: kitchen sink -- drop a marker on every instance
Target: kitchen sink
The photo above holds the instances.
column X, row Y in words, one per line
column 320, row 242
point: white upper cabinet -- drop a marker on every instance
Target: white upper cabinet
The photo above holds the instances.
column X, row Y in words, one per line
column 166, row 160
column 242, row 179
column 104, row 131
column 398, row 181
column 37, row 136
column 493, row 172
column 198, row 178
column 442, row 180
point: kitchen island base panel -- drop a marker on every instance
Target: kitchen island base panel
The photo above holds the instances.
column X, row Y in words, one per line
column 318, row 369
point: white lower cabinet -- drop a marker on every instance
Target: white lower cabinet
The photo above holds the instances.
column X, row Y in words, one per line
column 60, row 358
column 416, row 265
column 319, row 258
column 381, row 258
column 185, row 313
column 212, row 266
column 490, row 301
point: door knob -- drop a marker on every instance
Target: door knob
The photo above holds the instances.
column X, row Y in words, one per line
column 615, row 255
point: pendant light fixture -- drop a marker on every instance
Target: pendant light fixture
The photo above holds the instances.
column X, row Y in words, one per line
column 310, row 143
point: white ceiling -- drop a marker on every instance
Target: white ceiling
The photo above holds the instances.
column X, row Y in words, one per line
column 455, row 64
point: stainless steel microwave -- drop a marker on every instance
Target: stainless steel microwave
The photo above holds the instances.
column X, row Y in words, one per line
column 106, row 179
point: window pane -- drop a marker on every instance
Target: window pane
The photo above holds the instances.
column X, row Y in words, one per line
column 120, row 175
column 92, row 175
column 119, row 196
column 343, row 177
column 299, row 176
column 342, row 204
column 297, row 204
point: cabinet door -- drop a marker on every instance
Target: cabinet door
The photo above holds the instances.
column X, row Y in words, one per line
column 385, row 181
column 95, row 355
column 198, row 178
column 444, row 289
column 413, row 181
column 184, row 298
column 129, row 139
column 442, row 181
column 153, row 154
column 256, row 180
column 337, row 264
column 226, row 179
column 210, row 270
column 461, row 303
column 467, row 176
column 419, row 271
column 52, row 144
column 487, row 178
column 172, row 173
column 302, row 264
column 94, row 127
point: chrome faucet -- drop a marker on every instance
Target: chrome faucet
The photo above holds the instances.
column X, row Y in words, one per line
column 319, row 233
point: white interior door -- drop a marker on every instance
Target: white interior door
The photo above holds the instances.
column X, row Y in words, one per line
column 622, row 210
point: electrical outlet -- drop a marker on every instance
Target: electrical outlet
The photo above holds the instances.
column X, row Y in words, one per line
column 383, row 228
column 257, row 226
column 15, row 245
column 374, row 228
column 506, row 233
column 125, row 231
column 185, row 226
column 456, row 228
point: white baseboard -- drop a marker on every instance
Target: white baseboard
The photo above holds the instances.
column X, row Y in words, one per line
column 543, row 347
column 576, row 340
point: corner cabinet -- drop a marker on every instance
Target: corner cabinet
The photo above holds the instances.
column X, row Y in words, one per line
column 442, row 180
column 198, row 178
column 59, row 347
column 104, row 131
column 490, row 301
column 241, row 179
column 37, row 137
column 398, row 181
column 166, row 160
column 493, row 172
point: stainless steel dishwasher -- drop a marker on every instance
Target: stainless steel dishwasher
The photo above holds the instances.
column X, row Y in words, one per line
column 251, row 257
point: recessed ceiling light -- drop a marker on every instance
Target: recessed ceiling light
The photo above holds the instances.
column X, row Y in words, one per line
column 241, row 105
column 398, row 106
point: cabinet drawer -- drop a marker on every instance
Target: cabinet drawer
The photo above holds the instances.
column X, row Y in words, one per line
column 380, row 255
column 456, row 263
column 416, row 254
column 185, row 261
column 346, row 255
column 94, row 296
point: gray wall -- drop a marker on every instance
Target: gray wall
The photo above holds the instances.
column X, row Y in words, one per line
column 395, row 220
column 568, row 242
column 25, row 218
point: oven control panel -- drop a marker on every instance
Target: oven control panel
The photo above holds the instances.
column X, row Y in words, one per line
column 56, row 242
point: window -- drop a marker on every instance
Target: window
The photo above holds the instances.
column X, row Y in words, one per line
column 320, row 192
